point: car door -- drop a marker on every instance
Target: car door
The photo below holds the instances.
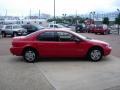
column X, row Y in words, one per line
column 8, row 29
column 47, row 44
column 68, row 45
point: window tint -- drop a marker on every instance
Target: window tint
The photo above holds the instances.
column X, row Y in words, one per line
column 28, row 27
column 47, row 36
column 55, row 26
column 8, row 27
column 51, row 25
column 16, row 27
column 64, row 36
column 34, row 28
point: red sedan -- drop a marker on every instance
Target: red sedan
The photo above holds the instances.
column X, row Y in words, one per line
column 58, row 43
column 101, row 30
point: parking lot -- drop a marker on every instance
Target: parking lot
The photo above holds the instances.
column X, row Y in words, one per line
column 61, row 74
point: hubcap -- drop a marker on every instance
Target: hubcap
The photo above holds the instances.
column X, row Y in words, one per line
column 96, row 54
column 15, row 34
column 30, row 55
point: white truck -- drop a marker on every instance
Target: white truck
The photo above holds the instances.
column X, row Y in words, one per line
column 58, row 26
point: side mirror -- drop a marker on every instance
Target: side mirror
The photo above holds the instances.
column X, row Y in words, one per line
column 76, row 39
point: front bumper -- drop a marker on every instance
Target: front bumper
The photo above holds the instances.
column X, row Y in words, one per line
column 22, row 33
column 107, row 51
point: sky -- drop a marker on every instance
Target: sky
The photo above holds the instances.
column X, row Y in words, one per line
column 69, row 7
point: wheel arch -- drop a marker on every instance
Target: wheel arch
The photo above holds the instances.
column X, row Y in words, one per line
column 93, row 47
column 30, row 47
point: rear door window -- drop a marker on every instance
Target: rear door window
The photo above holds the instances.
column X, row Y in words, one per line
column 48, row 36
column 8, row 27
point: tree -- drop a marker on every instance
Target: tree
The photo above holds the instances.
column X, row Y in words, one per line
column 117, row 21
column 67, row 20
column 106, row 20
column 57, row 20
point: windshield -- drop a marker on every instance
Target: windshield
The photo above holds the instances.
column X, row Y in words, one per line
column 16, row 26
column 81, row 36
column 39, row 27
column 60, row 26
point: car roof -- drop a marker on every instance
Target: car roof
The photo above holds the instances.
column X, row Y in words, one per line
column 12, row 25
column 56, row 29
column 51, row 29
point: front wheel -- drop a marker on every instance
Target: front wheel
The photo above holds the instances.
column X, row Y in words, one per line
column 95, row 54
column 30, row 55
column 14, row 34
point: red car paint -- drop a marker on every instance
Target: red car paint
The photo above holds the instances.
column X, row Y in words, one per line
column 101, row 30
column 57, row 48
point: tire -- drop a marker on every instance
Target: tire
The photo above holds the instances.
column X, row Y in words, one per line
column 77, row 31
column 95, row 54
column 30, row 55
column 14, row 34
column 3, row 34
column 105, row 33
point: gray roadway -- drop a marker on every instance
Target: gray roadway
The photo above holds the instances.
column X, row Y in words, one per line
column 59, row 74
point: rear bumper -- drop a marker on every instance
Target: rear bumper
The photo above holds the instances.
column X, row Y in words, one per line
column 16, row 51
column 99, row 31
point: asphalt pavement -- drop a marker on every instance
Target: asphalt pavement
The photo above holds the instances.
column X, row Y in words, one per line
column 60, row 74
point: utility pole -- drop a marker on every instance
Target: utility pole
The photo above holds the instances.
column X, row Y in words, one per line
column 90, row 17
column 118, row 18
column 76, row 18
column 30, row 13
column 54, row 12
column 39, row 14
column 6, row 13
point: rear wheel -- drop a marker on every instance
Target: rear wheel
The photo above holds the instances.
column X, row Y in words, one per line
column 105, row 33
column 30, row 55
column 95, row 54
column 3, row 34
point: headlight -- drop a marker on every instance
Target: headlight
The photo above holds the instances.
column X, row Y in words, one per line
column 19, row 30
column 107, row 46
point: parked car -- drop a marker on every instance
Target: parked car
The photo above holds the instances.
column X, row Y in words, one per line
column 58, row 43
column 80, row 28
column 101, row 30
column 32, row 28
column 13, row 30
column 58, row 26
column 90, row 28
column 1, row 26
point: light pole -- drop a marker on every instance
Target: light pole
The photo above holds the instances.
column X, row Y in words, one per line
column 93, row 15
column 6, row 13
column 39, row 14
column 64, row 17
column 54, row 11
column 30, row 13
column 118, row 18
column 90, row 17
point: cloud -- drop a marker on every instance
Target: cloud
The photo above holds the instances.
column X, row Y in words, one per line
column 22, row 7
column 116, row 3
